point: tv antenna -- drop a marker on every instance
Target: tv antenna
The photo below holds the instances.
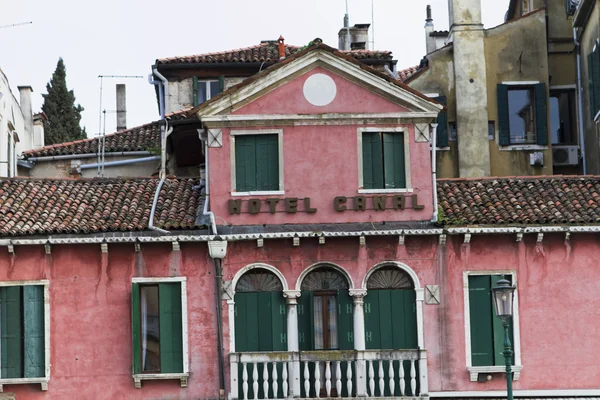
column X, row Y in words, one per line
column 17, row 24
column 102, row 113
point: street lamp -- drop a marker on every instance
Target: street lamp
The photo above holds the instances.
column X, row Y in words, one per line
column 503, row 294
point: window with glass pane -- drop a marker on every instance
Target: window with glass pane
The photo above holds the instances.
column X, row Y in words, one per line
column 522, row 116
column 157, row 328
column 22, row 333
column 562, row 117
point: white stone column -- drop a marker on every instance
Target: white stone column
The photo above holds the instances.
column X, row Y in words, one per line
column 291, row 297
column 359, row 340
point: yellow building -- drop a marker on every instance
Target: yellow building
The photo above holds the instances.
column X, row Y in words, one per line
column 510, row 91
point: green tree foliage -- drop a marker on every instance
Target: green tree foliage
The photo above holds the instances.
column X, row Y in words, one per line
column 59, row 105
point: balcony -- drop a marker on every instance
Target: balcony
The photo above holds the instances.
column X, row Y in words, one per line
column 329, row 374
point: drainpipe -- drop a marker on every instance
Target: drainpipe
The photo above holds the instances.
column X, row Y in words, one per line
column 580, row 102
column 217, row 249
column 433, row 171
column 205, row 211
column 165, row 131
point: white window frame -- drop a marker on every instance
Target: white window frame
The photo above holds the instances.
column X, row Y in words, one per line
column 232, row 134
column 207, row 83
column 484, row 369
column 409, row 188
column 43, row 381
column 182, row 376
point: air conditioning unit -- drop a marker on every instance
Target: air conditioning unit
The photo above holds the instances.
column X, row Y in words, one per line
column 565, row 155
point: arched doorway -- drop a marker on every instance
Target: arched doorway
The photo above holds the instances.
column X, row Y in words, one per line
column 325, row 311
column 391, row 316
column 260, row 319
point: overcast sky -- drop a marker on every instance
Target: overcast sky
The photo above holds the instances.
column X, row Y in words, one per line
column 124, row 37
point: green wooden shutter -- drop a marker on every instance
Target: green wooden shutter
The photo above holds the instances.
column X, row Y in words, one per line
column 33, row 326
column 136, row 328
column 345, row 320
column 278, row 321
column 221, row 83
column 372, row 320
column 241, row 322
column 442, row 121
column 170, row 318
column 245, row 163
column 503, row 116
column 541, row 114
column 264, row 321
column 393, row 156
column 11, row 333
column 482, row 345
column 195, row 91
column 372, row 160
column 596, row 73
column 267, row 162
column 591, row 84
column 305, row 321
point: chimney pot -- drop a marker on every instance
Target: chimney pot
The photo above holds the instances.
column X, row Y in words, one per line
column 281, row 47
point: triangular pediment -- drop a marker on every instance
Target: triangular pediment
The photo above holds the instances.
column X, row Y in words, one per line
column 327, row 65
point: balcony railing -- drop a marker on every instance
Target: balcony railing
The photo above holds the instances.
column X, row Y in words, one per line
column 315, row 374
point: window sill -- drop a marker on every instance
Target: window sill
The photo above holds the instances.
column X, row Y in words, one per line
column 523, row 147
column 138, row 378
column 265, row 193
column 383, row 191
column 24, row 381
column 442, row 148
column 494, row 369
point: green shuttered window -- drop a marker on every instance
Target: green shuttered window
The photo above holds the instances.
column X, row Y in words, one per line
column 256, row 162
column 157, row 328
column 383, row 160
column 487, row 333
column 22, row 341
column 522, row 114
column 593, row 60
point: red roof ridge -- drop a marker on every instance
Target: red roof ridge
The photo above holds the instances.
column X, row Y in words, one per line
column 519, row 177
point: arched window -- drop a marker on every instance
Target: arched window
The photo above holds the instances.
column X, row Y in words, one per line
column 260, row 318
column 390, row 314
column 325, row 316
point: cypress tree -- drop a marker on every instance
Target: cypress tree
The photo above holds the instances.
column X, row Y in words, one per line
column 59, row 105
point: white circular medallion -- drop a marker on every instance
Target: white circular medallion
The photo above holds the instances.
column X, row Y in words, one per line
column 319, row 90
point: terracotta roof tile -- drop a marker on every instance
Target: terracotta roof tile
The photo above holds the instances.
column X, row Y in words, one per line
column 44, row 207
column 267, row 52
column 404, row 74
column 140, row 138
column 520, row 201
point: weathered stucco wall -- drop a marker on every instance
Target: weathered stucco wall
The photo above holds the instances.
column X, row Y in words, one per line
column 439, row 78
column 516, row 51
column 67, row 168
column 589, row 36
column 90, row 317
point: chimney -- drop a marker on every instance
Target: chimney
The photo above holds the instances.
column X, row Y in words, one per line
column 467, row 35
column 38, row 129
column 354, row 38
column 281, row 42
column 25, row 103
column 429, row 40
column 121, row 108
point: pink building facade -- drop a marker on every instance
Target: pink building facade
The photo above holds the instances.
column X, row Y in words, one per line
column 328, row 269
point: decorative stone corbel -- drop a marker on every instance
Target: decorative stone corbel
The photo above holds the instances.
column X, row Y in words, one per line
column 48, row 249
column 442, row 240
column 176, row 246
column 260, row 242
column 11, row 249
column 519, row 237
column 467, row 238
column 401, row 239
column 362, row 240
column 137, row 247
column 296, row 241
column 540, row 237
column 567, row 236
column 104, row 247
column 321, row 239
